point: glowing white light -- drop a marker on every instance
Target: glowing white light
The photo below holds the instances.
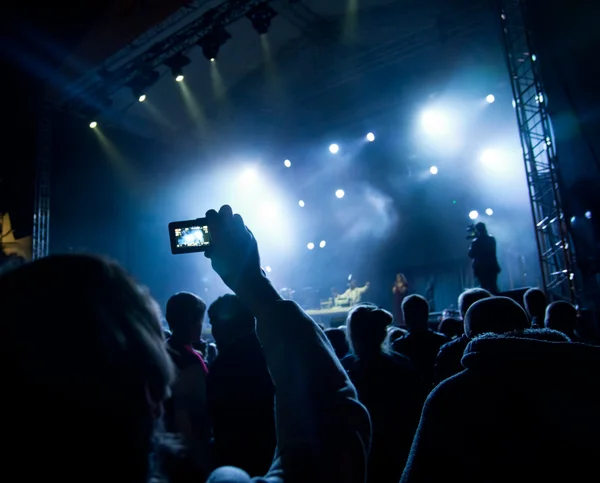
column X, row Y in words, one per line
column 142, row 98
column 435, row 122
column 249, row 177
column 268, row 269
column 534, row 57
column 514, row 104
column 588, row 215
column 473, row 215
column 93, row 124
column 323, row 243
column 489, row 212
column 179, row 78
column 433, row 170
column 310, row 246
column 370, row 137
column 287, row 163
column 490, row 157
column 490, row 98
column 269, row 211
column 572, row 219
column 340, row 193
column 301, row 203
column 212, row 59
column 334, row 148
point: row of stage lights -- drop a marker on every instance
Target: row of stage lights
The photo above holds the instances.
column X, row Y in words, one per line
column 260, row 17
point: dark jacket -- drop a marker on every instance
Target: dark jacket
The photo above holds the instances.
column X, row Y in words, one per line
column 448, row 361
column 483, row 253
column 523, row 410
column 421, row 348
column 393, row 392
column 241, row 399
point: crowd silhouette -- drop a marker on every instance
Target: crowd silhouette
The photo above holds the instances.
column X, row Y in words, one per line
column 95, row 391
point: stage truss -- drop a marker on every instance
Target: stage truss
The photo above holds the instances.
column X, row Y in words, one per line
column 539, row 153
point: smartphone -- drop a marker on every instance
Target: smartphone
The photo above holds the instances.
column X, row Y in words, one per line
column 189, row 236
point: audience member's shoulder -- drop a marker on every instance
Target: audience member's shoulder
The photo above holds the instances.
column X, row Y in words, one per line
column 454, row 344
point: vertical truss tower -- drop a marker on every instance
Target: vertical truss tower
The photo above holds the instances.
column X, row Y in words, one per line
column 43, row 163
column 539, row 153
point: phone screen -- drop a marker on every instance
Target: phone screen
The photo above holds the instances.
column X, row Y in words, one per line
column 189, row 236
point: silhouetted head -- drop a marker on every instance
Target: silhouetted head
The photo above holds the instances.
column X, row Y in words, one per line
column 185, row 315
column 535, row 302
column 337, row 338
column 86, row 367
column 230, row 320
column 561, row 316
column 494, row 314
column 451, row 327
column 367, row 329
column 481, row 229
column 469, row 297
column 416, row 313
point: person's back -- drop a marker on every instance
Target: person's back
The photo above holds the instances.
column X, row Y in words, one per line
column 240, row 391
column 390, row 388
column 535, row 303
column 523, row 410
column 186, row 411
column 421, row 345
column 562, row 316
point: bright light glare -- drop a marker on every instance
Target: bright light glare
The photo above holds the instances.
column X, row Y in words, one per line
column 588, row 215
column 489, row 212
column 301, row 203
column 340, row 193
column 269, row 211
column 310, row 246
column 534, row 57
column 435, row 122
column 433, row 170
column 212, row 59
column 473, row 215
column 334, row 148
column 370, row 137
column 287, row 163
column 249, row 177
column 323, row 243
column 93, row 124
column 179, row 78
column 490, row 157
column 142, row 98
column 490, row 98
column 268, row 269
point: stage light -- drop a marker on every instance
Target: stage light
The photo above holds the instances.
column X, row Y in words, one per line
column 93, row 124
column 310, row 246
column 370, row 137
column 573, row 219
column 588, row 215
column 340, row 194
column 301, row 203
column 322, row 244
column 334, row 148
column 268, row 269
column 179, row 78
column 489, row 212
column 490, row 157
column 248, row 176
column 287, row 163
column 261, row 17
column 213, row 41
column 514, row 104
column 490, row 98
column 176, row 64
column 534, row 57
column 142, row 98
column 435, row 122
column 433, row 170
column 473, row 215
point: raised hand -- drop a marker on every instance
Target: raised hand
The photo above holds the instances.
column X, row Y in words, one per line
column 234, row 252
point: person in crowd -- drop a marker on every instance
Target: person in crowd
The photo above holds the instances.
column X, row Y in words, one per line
column 323, row 431
column 388, row 386
column 562, row 316
column 451, row 327
column 394, row 333
column 337, row 339
column 535, row 304
column 187, row 408
column 399, row 290
column 86, row 395
column 240, row 391
column 448, row 360
column 485, row 264
column 524, row 409
column 421, row 344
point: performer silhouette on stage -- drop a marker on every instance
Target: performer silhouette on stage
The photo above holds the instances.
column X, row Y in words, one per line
column 353, row 294
column 485, row 263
